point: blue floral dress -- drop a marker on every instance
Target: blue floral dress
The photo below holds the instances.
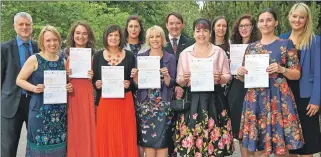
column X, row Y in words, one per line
column 47, row 123
column 270, row 119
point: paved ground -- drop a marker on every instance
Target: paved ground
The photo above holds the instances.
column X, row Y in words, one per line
column 22, row 145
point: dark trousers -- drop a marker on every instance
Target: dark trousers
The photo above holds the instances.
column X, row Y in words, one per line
column 11, row 128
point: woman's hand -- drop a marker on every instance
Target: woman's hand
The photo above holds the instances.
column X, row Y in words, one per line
column 187, row 77
column 126, row 84
column 69, row 88
column 274, row 68
column 179, row 91
column 98, row 84
column 241, row 71
column 164, row 71
column 69, row 72
column 90, row 74
column 38, row 89
column 312, row 109
column 217, row 77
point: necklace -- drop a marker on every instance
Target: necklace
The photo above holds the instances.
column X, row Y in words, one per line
column 113, row 60
column 202, row 52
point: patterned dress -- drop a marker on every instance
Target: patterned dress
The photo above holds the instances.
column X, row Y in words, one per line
column 269, row 117
column 205, row 128
column 154, row 117
column 47, row 123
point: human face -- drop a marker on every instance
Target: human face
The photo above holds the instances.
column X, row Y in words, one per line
column 202, row 35
column 81, row 36
column 174, row 26
column 297, row 20
column 51, row 42
column 113, row 39
column 267, row 23
column 245, row 28
column 23, row 28
column 220, row 28
column 155, row 40
column 133, row 29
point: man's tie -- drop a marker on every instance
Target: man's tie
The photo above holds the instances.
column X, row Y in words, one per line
column 27, row 52
column 174, row 44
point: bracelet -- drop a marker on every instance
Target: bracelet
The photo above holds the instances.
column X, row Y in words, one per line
column 285, row 71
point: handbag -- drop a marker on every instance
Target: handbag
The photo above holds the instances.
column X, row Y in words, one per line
column 183, row 104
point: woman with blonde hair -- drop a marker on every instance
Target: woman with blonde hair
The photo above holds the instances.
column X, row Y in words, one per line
column 306, row 90
column 153, row 112
column 47, row 123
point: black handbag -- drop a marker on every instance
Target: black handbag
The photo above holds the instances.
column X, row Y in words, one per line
column 183, row 104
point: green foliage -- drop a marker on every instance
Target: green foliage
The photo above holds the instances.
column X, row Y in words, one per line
column 232, row 9
column 62, row 14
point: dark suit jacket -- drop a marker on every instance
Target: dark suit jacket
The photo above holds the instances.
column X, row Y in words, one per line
column 10, row 68
column 183, row 43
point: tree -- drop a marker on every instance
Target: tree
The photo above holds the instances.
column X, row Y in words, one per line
column 237, row 8
column 61, row 15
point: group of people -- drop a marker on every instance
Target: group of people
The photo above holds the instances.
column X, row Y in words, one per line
column 281, row 119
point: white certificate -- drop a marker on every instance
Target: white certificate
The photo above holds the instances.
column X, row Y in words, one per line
column 148, row 72
column 112, row 81
column 55, row 91
column 202, row 78
column 236, row 55
column 80, row 62
column 256, row 65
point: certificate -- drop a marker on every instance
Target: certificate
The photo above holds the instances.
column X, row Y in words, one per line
column 148, row 72
column 80, row 62
column 202, row 78
column 236, row 55
column 55, row 91
column 112, row 81
column 256, row 65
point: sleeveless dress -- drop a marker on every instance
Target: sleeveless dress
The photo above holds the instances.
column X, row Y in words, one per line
column 270, row 120
column 47, row 127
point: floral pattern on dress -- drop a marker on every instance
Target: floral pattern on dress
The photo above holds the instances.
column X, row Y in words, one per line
column 270, row 119
column 206, row 138
column 47, row 123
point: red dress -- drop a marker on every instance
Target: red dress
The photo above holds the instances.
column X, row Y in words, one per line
column 81, row 119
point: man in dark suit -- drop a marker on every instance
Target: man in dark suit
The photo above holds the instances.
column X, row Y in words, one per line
column 177, row 42
column 14, row 100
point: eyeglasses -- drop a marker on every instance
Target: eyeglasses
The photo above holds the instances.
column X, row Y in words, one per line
column 245, row 26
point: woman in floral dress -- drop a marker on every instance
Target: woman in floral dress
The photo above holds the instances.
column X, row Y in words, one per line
column 152, row 110
column 269, row 120
column 47, row 123
column 205, row 128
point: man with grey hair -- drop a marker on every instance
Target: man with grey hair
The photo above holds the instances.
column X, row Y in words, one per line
column 14, row 100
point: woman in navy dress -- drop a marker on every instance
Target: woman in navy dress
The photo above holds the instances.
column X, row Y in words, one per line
column 47, row 127
column 270, row 123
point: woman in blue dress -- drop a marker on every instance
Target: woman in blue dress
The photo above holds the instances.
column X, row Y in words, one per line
column 270, row 122
column 47, row 127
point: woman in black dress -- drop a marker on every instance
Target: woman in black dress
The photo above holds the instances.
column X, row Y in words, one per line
column 244, row 31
